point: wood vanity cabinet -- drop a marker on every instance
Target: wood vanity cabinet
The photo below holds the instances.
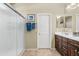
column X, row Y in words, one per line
column 73, row 47
column 66, row 47
column 72, row 51
column 58, row 43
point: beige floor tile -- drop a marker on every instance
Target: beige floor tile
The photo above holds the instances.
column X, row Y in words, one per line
column 40, row 52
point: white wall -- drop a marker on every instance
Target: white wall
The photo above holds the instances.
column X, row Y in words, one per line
column 20, row 35
column 7, row 31
column 11, row 32
column 77, row 23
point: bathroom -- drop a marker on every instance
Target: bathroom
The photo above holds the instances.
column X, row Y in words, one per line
column 39, row 29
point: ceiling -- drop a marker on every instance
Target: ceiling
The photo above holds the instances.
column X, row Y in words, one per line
column 40, row 6
column 51, row 7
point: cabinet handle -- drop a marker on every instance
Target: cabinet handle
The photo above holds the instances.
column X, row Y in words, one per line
column 63, row 47
column 75, row 50
column 78, row 52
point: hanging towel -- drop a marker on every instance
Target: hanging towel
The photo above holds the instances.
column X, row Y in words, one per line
column 33, row 25
column 29, row 26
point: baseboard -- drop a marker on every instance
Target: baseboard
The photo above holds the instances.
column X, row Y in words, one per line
column 53, row 48
column 20, row 53
column 39, row 48
column 31, row 49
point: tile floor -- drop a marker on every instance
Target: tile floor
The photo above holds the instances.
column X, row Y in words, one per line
column 41, row 52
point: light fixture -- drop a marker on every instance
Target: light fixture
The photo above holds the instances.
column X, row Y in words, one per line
column 58, row 17
column 78, row 5
column 72, row 6
column 68, row 7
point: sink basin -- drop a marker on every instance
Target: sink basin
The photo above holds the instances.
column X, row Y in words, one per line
column 76, row 33
column 66, row 33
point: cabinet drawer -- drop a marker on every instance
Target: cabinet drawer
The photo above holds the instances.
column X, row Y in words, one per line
column 64, row 50
column 64, row 43
column 73, row 42
column 58, row 37
column 65, row 39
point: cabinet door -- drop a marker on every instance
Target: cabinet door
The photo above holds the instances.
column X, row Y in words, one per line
column 69, row 49
column 72, row 51
column 77, row 51
column 64, row 50
column 64, row 46
column 56, row 42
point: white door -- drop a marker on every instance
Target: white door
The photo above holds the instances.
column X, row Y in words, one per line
column 43, row 34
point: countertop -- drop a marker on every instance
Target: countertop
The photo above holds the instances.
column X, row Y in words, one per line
column 68, row 35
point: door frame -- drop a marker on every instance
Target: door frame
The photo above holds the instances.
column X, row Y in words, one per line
column 50, row 32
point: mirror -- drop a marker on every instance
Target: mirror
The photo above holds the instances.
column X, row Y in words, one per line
column 60, row 21
column 68, row 21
